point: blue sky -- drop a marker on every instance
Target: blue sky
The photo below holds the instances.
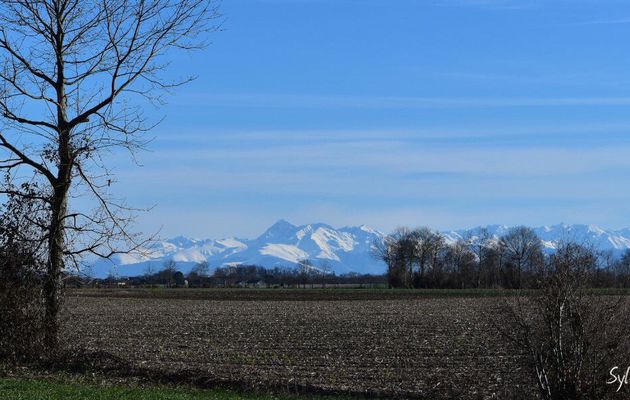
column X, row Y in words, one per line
column 447, row 113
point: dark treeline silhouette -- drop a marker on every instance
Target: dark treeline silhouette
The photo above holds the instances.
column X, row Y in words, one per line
column 415, row 258
column 421, row 258
column 304, row 275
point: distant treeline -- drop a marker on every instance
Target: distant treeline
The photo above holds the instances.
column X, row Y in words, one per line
column 303, row 274
column 415, row 258
column 421, row 258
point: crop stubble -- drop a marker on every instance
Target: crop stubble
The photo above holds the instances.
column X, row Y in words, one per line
column 434, row 347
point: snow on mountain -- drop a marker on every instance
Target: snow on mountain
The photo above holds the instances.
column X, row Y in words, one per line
column 601, row 239
column 285, row 252
column 347, row 249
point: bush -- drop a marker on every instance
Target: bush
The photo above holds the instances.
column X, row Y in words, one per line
column 21, row 305
column 572, row 337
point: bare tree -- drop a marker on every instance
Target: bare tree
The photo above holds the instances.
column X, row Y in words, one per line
column 480, row 245
column 397, row 250
column 71, row 75
column 572, row 336
column 202, row 269
column 427, row 246
column 460, row 262
column 605, row 274
column 305, row 270
column 409, row 254
column 149, row 270
column 622, row 271
column 325, row 271
column 524, row 251
column 199, row 273
column 167, row 274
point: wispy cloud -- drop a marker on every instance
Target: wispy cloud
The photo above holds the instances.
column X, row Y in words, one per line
column 388, row 102
column 612, row 21
column 206, row 137
column 494, row 4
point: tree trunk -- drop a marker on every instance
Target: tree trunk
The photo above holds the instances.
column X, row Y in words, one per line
column 53, row 285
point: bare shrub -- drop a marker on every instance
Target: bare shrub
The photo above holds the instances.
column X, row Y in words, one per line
column 21, row 301
column 21, row 309
column 571, row 336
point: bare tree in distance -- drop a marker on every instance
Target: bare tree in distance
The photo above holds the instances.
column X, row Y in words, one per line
column 325, row 271
column 461, row 261
column 202, row 269
column 409, row 254
column 397, row 251
column 199, row 273
column 73, row 74
column 524, row 250
column 427, row 246
column 305, row 270
column 479, row 245
column 167, row 274
column 622, row 269
column 149, row 269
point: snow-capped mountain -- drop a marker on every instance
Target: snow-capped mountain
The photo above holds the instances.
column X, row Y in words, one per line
column 342, row 250
column 616, row 241
column 347, row 249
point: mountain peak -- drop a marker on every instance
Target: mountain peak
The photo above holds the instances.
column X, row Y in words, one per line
column 182, row 241
column 280, row 229
column 368, row 229
column 316, row 226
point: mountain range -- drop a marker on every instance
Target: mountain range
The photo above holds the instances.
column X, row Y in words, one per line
column 347, row 249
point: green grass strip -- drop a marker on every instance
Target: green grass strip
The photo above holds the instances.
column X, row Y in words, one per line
column 38, row 389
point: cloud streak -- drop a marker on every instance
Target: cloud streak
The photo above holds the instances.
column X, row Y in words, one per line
column 612, row 21
column 428, row 135
column 270, row 100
